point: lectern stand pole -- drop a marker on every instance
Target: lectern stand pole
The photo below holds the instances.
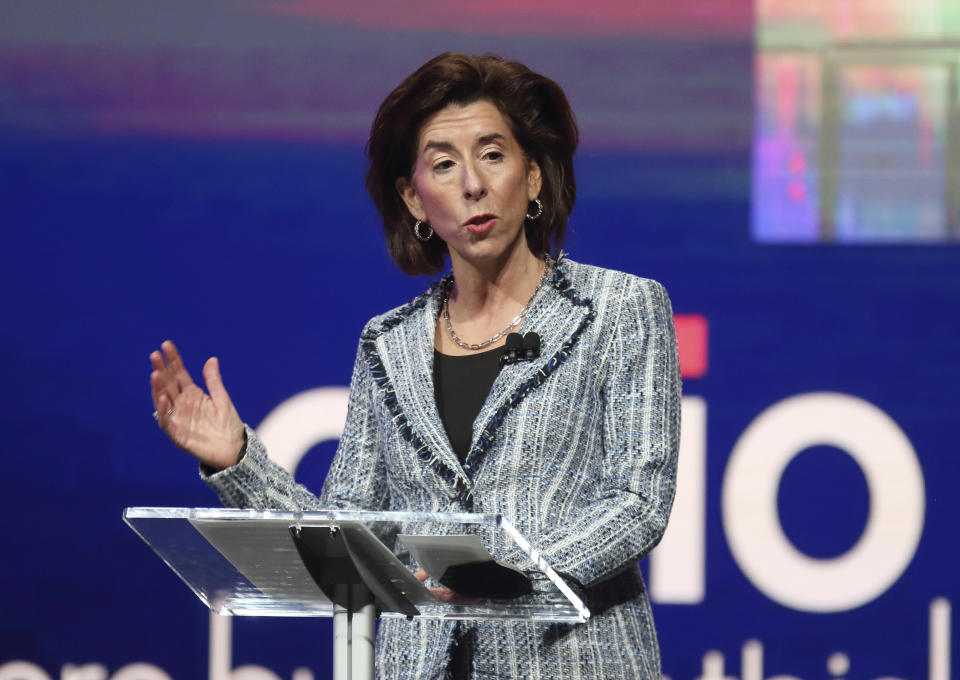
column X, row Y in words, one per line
column 353, row 636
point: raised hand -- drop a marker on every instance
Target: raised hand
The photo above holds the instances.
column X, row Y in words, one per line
column 205, row 425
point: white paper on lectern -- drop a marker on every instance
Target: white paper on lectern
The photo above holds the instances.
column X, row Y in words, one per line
column 436, row 553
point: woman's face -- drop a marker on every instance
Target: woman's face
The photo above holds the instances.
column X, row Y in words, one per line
column 472, row 182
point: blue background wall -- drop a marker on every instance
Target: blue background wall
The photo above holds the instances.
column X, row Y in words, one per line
column 195, row 172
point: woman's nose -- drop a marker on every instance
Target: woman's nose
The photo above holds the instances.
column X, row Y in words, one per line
column 474, row 187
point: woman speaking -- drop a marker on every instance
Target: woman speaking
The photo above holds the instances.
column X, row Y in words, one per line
column 471, row 160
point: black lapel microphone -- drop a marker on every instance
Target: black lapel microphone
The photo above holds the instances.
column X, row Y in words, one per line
column 520, row 348
column 512, row 350
column 531, row 346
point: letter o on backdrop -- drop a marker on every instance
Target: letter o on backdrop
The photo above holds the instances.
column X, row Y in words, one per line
column 22, row 670
column 894, row 481
column 301, row 422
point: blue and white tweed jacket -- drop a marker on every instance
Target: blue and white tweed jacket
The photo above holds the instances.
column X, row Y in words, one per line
column 577, row 449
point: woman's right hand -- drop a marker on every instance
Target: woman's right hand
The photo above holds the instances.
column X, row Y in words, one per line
column 205, row 425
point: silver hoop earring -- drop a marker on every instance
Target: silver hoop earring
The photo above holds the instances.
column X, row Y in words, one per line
column 539, row 210
column 420, row 236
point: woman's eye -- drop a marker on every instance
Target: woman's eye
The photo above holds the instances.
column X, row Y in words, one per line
column 493, row 155
column 443, row 165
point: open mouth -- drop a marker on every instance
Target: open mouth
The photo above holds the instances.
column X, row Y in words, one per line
column 480, row 224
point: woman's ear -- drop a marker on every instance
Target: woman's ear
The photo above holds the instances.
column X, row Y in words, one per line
column 408, row 192
column 534, row 180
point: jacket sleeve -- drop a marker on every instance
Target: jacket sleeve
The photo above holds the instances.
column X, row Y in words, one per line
column 641, row 435
column 356, row 479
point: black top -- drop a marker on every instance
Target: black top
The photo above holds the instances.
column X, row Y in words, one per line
column 461, row 385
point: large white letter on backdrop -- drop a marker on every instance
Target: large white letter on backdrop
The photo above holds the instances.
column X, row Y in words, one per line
column 678, row 564
column 751, row 520
column 301, row 422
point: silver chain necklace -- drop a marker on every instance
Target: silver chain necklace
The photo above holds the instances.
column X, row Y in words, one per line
column 516, row 321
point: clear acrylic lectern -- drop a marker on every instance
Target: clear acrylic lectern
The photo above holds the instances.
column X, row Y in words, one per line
column 352, row 566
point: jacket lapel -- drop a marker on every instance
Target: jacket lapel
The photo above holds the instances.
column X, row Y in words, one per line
column 559, row 316
column 404, row 348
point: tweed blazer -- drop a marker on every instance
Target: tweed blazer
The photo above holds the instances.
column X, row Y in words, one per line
column 577, row 449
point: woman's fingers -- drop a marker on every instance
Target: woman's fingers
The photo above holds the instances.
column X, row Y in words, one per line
column 156, row 377
column 155, row 390
column 178, row 371
column 445, row 594
column 156, row 360
column 441, row 593
column 162, row 382
column 164, row 407
column 214, row 381
column 170, row 376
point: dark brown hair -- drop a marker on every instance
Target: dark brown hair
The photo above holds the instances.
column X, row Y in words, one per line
column 539, row 117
